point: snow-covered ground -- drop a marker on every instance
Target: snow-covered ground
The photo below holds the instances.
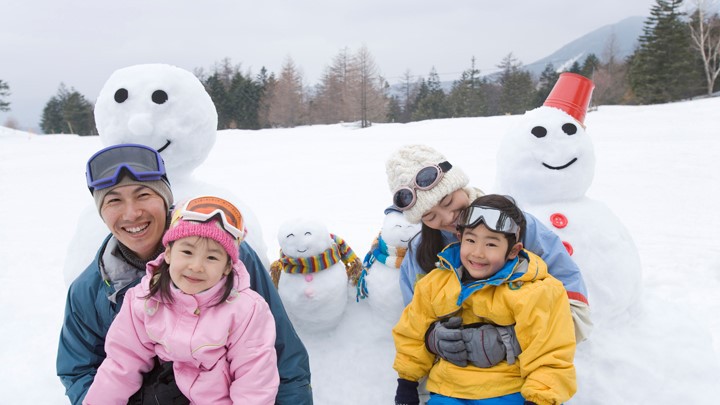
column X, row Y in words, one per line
column 657, row 170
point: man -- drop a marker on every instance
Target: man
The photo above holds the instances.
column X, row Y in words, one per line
column 133, row 196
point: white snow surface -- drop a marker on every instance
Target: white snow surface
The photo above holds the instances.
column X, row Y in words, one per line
column 656, row 169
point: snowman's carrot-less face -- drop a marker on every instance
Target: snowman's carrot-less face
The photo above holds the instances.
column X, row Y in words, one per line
column 546, row 157
column 161, row 106
column 397, row 231
column 303, row 238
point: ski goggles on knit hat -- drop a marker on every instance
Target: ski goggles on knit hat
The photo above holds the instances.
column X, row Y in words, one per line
column 106, row 167
column 426, row 178
column 206, row 208
column 493, row 218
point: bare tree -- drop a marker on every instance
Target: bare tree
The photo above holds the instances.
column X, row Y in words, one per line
column 372, row 103
column 705, row 33
column 286, row 105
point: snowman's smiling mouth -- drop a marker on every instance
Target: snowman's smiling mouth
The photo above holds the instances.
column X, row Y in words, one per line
column 165, row 146
column 560, row 167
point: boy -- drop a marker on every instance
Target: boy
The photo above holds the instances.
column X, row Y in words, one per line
column 489, row 279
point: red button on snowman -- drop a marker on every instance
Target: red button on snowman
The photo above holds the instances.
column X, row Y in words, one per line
column 547, row 163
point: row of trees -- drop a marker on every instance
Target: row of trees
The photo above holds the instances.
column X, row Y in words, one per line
column 678, row 56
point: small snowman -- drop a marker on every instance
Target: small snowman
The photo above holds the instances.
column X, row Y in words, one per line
column 547, row 163
column 382, row 264
column 168, row 109
column 317, row 266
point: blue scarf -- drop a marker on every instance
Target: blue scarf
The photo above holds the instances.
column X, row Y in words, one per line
column 451, row 255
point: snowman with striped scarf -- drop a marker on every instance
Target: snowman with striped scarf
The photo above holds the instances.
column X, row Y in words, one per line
column 380, row 281
column 313, row 274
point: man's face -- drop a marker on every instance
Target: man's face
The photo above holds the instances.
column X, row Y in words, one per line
column 136, row 216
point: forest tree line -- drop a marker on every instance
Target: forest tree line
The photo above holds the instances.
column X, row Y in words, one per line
column 677, row 57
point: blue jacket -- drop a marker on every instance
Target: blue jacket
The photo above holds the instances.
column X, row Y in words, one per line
column 92, row 304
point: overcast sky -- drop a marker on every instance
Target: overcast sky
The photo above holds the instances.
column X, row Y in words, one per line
column 80, row 43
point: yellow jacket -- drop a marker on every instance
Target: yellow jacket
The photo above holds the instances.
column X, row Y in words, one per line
column 525, row 296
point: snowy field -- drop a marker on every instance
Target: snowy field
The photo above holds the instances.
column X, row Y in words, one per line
column 658, row 169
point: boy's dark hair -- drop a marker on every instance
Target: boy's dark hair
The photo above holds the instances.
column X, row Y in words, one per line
column 507, row 205
column 161, row 281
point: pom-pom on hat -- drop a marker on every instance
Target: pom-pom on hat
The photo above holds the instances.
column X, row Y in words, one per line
column 571, row 93
column 181, row 227
column 403, row 166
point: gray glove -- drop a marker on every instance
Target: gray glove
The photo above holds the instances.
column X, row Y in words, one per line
column 488, row 345
column 444, row 338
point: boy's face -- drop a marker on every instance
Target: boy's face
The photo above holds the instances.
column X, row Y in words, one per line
column 483, row 252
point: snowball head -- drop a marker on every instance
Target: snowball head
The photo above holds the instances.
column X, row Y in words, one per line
column 161, row 106
column 397, row 230
column 546, row 157
column 303, row 237
column 405, row 163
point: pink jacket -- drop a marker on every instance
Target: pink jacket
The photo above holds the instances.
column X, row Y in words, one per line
column 221, row 354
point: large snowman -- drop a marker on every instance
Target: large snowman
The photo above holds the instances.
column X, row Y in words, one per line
column 383, row 266
column 166, row 108
column 547, row 163
column 312, row 274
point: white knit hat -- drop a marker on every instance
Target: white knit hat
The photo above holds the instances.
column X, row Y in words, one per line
column 404, row 164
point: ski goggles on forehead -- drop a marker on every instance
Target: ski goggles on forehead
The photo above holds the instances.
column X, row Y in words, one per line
column 426, row 178
column 494, row 219
column 105, row 168
column 203, row 209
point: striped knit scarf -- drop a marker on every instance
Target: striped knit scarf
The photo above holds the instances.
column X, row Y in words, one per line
column 391, row 256
column 303, row 265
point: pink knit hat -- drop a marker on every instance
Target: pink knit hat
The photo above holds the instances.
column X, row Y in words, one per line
column 181, row 228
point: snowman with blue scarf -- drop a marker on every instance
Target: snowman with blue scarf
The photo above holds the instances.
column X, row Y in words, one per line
column 380, row 282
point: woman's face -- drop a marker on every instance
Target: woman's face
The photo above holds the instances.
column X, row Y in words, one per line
column 443, row 216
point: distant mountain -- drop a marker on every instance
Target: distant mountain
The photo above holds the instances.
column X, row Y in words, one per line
column 622, row 35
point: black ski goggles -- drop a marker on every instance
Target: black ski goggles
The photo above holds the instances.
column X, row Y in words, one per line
column 494, row 219
column 105, row 168
column 426, row 178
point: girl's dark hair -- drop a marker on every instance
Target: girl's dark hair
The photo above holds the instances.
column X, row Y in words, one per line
column 161, row 283
column 430, row 245
column 507, row 205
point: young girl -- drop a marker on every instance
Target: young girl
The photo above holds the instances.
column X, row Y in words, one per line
column 194, row 308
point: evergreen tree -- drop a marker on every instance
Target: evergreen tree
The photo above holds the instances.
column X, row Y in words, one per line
column 410, row 91
column 664, row 67
column 548, row 78
column 4, row 92
column 431, row 99
column 68, row 112
column 395, row 110
column 518, row 90
column 575, row 68
column 467, row 98
column 590, row 65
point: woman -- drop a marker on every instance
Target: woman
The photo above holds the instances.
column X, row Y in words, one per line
column 429, row 189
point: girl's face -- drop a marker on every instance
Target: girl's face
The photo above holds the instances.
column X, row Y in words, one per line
column 443, row 216
column 483, row 252
column 197, row 264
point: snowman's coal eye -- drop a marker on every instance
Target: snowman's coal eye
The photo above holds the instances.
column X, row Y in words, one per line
column 159, row 97
column 121, row 95
column 569, row 129
column 308, row 234
column 539, row 132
